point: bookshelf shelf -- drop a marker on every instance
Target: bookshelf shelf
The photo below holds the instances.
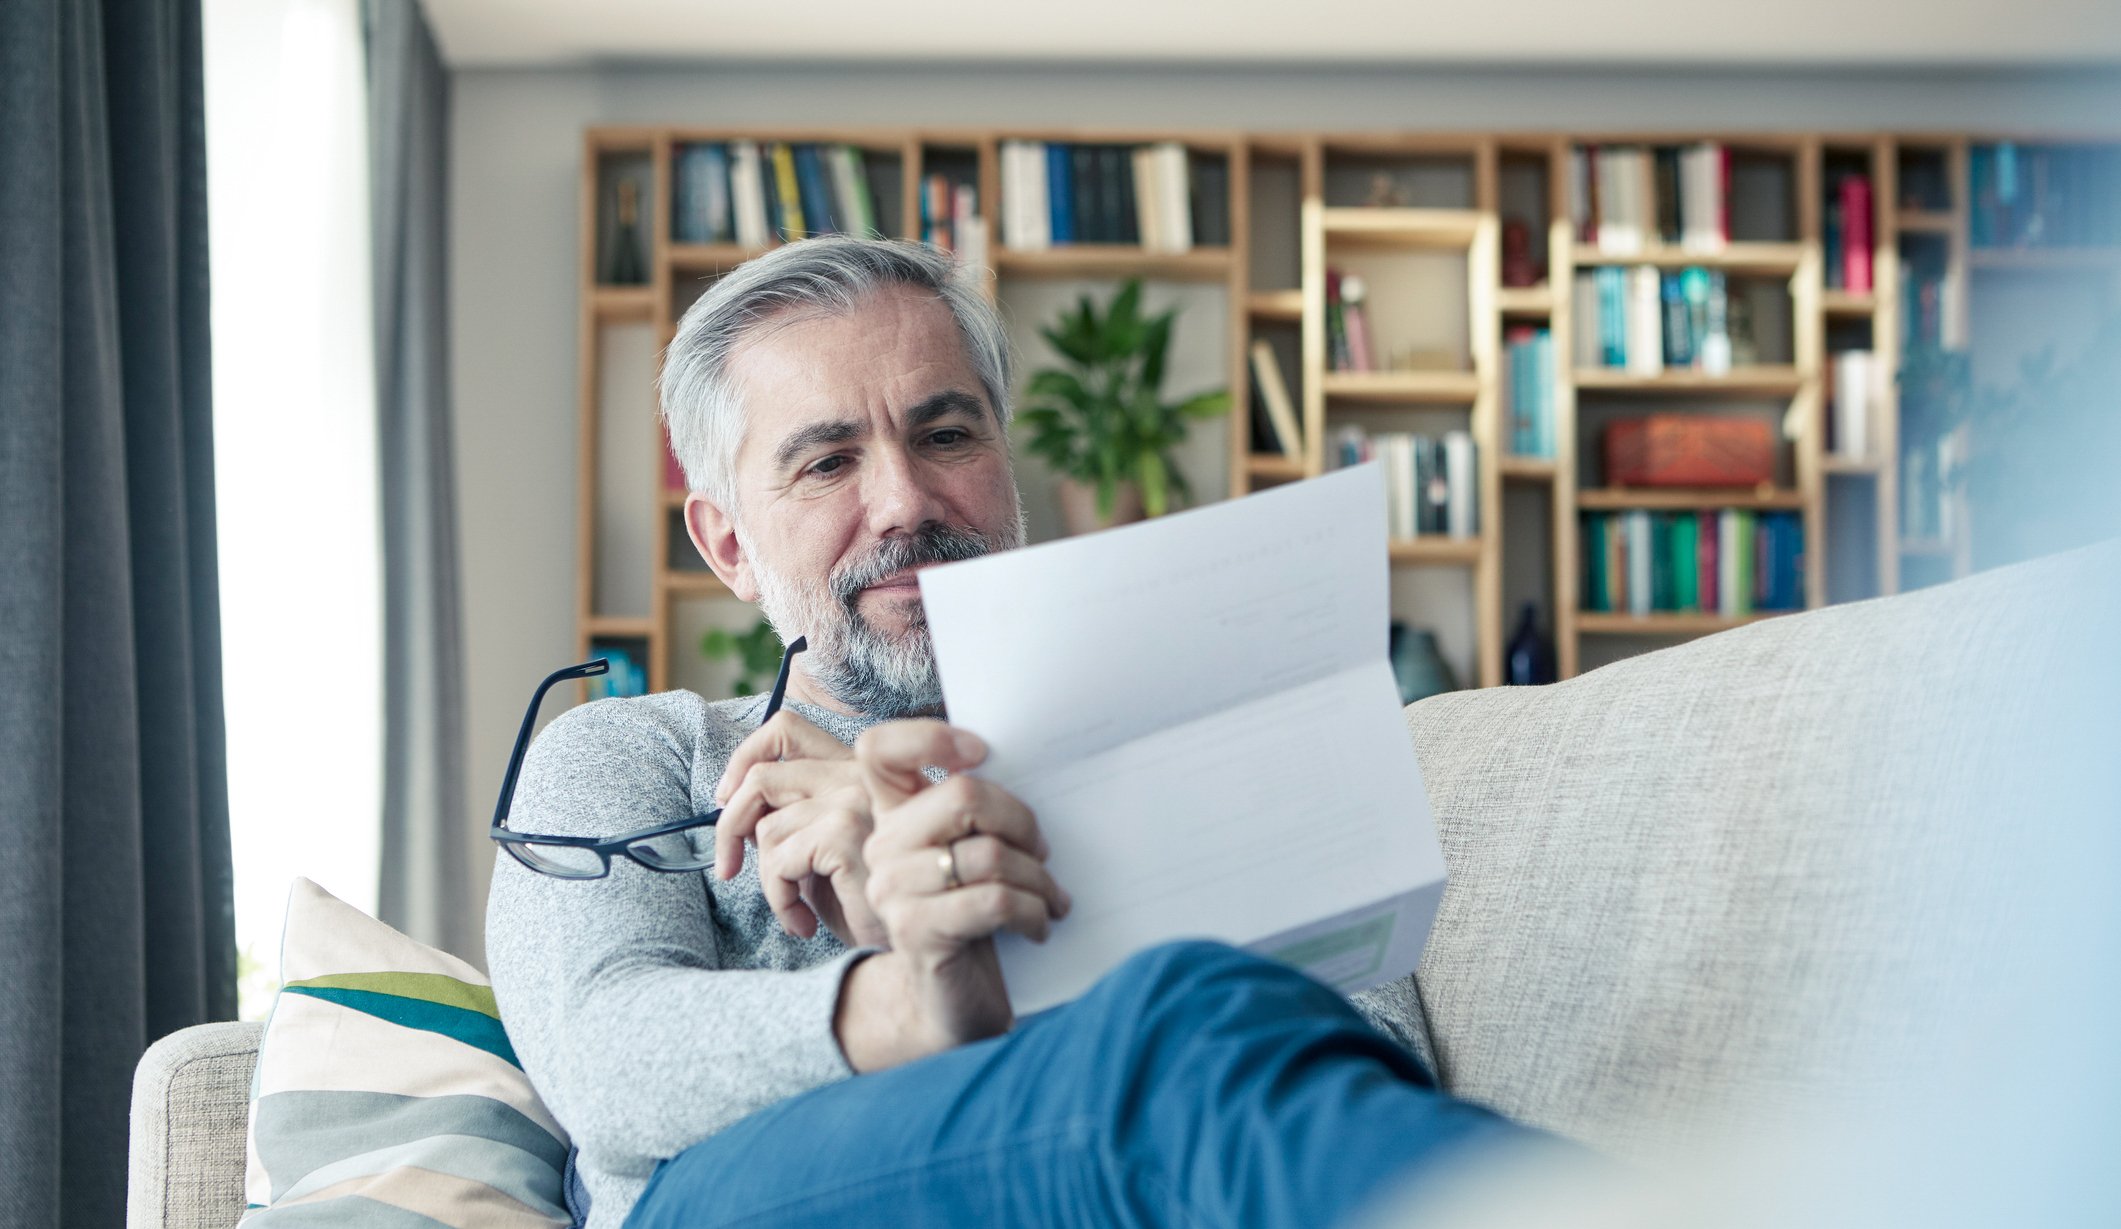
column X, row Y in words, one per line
column 1624, row 498
column 623, row 304
column 1282, row 305
column 1851, row 465
column 1283, row 468
column 1416, row 227
column 691, row 583
column 1524, row 300
column 1765, row 381
column 1423, row 387
column 1528, row 469
column 1926, row 221
column 618, row 625
column 711, row 257
column 1847, row 302
column 1436, row 550
column 1766, row 258
column 1115, row 260
column 1606, row 623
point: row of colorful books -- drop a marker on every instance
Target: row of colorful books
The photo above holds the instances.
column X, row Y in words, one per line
column 755, row 193
column 2043, row 195
column 1432, row 483
column 1732, row 562
column 1348, row 346
column 627, row 675
column 1529, row 370
column 1645, row 320
column 1849, row 235
column 1158, row 196
column 950, row 218
column 1624, row 198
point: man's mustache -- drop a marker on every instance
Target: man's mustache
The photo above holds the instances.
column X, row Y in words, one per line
column 928, row 544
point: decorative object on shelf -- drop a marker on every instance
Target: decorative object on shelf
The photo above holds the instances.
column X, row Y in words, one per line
column 1519, row 269
column 1385, row 194
column 1418, row 664
column 1529, row 661
column 623, row 267
column 1689, row 450
column 757, row 652
column 1101, row 421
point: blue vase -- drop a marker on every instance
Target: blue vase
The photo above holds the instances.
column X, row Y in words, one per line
column 1418, row 665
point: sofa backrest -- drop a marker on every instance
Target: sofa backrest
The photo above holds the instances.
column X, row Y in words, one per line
column 1708, row 886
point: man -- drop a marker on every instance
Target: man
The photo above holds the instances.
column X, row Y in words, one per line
column 841, row 409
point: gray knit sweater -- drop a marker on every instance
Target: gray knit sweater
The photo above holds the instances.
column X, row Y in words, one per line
column 652, row 1010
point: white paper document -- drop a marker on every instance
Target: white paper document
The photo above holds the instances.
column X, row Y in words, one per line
column 1200, row 711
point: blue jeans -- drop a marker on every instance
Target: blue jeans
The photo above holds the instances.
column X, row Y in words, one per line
column 1194, row 1086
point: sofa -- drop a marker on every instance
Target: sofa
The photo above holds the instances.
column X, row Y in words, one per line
column 1708, row 889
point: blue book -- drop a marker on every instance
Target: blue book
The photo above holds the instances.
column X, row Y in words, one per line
column 819, row 216
column 1678, row 328
column 685, row 210
column 1520, row 402
column 1543, row 381
column 714, row 184
column 1613, row 314
column 1060, row 192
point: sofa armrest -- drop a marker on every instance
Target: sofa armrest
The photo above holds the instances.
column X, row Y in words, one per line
column 191, row 1113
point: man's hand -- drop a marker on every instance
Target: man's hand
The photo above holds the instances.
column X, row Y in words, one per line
column 797, row 792
column 940, row 985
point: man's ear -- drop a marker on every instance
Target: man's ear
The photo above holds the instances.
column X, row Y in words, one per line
column 713, row 534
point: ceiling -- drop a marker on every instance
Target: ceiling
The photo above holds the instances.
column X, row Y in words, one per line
column 1576, row 32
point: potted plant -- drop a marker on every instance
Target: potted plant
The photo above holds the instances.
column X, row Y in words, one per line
column 757, row 653
column 1102, row 422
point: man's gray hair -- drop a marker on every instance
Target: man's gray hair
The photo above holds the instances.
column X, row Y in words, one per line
column 830, row 273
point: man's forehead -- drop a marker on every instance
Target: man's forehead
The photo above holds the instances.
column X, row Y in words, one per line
column 844, row 365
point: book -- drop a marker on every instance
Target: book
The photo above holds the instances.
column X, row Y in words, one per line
column 1642, row 590
column 819, row 209
column 1211, row 202
column 792, row 223
column 1667, row 180
column 1850, row 419
column 747, row 196
column 1677, row 321
column 1645, row 317
column 1855, row 202
column 1355, row 323
column 1714, row 340
column 1147, row 200
column 1462, row 478
column 1060, row 194
column 1708, row 533
column 1274, row 391
column 1174, row 196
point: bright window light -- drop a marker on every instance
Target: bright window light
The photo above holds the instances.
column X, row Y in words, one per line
column 295, row 458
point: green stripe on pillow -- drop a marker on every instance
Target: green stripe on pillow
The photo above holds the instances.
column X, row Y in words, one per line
column 297, row 1133
column 470, row 1027
column 433, row 987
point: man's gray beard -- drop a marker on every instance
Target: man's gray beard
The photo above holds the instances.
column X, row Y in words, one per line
column 861, row 666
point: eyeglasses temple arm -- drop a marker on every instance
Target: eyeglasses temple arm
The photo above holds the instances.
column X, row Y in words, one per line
column 587, row 669
column 780, row 681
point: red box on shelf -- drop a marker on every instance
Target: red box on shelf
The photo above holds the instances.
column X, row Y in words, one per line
column 1689, row 450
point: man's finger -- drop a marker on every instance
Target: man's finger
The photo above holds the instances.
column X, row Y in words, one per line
column 959, row 807
column 893, row 754
column 968, row 915
column 786, row 737
column 766, row 788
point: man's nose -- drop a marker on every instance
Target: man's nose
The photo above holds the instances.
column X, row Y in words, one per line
column 898, row 497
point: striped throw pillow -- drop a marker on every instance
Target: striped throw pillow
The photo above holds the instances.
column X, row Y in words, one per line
column 387, row 1093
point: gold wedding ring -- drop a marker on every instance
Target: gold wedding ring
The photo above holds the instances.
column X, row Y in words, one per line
column 946, row 858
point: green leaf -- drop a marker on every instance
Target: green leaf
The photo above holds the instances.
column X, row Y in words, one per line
column 1151, row 473
column 1206, row 405
column 1156, row 341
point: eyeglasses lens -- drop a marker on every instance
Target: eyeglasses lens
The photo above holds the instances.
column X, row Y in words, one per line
column 565, row 861
column 689, row 850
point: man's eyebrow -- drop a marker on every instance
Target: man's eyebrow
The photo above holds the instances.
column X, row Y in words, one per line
column 803, row 439
column 942, row 405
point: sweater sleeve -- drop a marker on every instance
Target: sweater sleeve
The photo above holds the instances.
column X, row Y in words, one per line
column 615, row 992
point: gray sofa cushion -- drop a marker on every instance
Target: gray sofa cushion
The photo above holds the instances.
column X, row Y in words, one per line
column 1706, row 886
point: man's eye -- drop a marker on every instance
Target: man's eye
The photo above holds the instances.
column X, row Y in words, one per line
column 949, row 437
column 828, row 465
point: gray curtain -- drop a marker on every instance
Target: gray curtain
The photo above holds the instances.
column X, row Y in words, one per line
column 116, row 910
column 427, row 837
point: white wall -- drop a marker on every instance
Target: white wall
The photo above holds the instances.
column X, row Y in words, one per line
column 516, row 155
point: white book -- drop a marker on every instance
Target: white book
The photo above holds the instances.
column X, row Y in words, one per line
column 1122, row 730
column 1148, row 209
column 1620, row 199
column 1174, row 184
column 1012, row 174
column 1585, row 345
column 1274, row 390
column 846, row 191
column 1463, row 478
column 747, row 193
column 1645, row 321
column 1852, row 403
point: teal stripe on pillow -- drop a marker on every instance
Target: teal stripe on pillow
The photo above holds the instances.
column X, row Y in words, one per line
column 470, row 1027
column 299, row 1132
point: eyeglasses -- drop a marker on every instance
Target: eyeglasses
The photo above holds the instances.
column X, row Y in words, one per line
column 677, row 848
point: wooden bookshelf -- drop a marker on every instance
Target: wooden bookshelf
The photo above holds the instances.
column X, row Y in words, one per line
column 1296, row 205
